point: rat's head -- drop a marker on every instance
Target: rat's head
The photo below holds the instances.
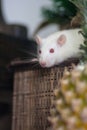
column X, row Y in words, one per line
column 48, row 50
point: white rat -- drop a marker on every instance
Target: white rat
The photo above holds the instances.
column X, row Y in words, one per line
column 59, row 46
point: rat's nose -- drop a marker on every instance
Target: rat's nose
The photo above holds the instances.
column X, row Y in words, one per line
column 43, row 64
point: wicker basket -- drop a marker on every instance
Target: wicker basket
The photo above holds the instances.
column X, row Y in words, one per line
column 33, row 91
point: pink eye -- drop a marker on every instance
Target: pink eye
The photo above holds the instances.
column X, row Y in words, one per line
column 51, row 50
column 40, row 51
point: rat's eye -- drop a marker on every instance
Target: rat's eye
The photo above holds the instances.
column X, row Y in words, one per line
column 39, row 51
column 51, row 50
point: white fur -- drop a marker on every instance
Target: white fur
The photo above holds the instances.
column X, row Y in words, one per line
column 70, row 49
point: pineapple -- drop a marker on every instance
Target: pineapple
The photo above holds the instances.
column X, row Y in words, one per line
column 69, row 106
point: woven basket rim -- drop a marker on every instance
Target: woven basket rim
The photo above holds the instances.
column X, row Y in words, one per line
column 24, row 63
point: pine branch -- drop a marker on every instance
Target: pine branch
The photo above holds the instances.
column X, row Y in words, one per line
column 61, row 11
column 82, row 9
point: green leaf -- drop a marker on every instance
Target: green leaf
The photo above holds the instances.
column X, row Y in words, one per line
column 60, row 11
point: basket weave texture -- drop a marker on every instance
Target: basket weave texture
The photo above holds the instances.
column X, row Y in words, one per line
column 33, row 92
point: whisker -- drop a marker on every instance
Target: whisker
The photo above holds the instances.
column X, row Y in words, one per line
column 27, row 52
column 28, row 58
column 32, row 54
column 36, row 64
column 25, row 57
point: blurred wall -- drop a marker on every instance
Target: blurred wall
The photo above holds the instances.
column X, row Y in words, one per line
column 27, row 12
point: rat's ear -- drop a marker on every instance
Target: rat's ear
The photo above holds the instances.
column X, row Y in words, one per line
column 61, row 40
column 38, row 40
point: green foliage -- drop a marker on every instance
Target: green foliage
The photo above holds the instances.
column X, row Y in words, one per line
column 60, row 12
column 82, row 9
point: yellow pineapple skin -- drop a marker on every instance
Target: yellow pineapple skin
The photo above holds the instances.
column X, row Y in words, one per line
column 69, row 111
